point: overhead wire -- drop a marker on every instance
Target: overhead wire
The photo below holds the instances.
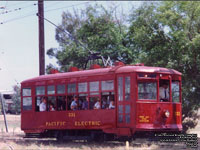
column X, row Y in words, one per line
column 69, row 34
column 17, row 9
column 31, row 14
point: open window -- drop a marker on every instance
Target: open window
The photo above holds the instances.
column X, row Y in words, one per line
column 107, row 95
column 164, row 95
column 40, row 94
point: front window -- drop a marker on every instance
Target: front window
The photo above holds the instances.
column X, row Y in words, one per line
column 147, row 91
column 175, row 91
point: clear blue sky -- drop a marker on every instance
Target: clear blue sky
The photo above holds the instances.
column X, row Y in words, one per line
column 19, row 52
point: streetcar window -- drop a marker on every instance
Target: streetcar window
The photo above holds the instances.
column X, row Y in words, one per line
column 142, row 75
column 106, row 98
column 107, row 85
column 96, row 93
column 120, row 113
column 82, row 87
column 27, row 103
column 175, row 91
column 38, row 101
column 164, row 90
column 51, row 104
column 94, row 86
column 40, row 90
column 69, row 101
column 71, row 88
column 60, row 89
column 94, row 103
column 120, row 88
column 61, row 103
column 50, row 89
column 26, row 92
column 83, row 103
column 127, row 113
column 127, row 118
column 127, row 109
column 127, row 88
column 147, row 90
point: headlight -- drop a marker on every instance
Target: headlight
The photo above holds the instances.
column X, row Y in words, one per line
column 167, row 113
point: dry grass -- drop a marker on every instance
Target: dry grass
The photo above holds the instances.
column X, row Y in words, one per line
column 14, row 141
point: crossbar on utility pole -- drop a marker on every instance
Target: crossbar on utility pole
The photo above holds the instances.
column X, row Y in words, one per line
column 4, row 113
column 41, row 37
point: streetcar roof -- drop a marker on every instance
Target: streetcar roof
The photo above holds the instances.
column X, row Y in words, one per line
column 105, row 71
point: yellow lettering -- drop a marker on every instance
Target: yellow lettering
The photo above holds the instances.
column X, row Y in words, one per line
column 98, row 123
column 55, row 124
column 93, row 123
column 90, row 123
column 177, row 113
column 87, row 123
column 144, row 119
column 71, row 114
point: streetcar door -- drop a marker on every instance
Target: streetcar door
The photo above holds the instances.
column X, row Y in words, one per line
column 123, row 100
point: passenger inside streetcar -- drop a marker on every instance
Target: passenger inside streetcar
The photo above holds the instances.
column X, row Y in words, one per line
column 164, row 92
column 43, row 104
column 51, row 107
column 104, row 103
column 111, row 105
column 74, row 104
column 97, row 104
column 85, row 104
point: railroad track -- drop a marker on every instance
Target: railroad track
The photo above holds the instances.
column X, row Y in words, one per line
column 142, row 143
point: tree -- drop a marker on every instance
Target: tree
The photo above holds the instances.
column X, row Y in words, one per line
column 16, row 98
column 98, row 31
column 167, row 34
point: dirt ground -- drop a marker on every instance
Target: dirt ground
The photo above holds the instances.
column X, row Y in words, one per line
column 13, row 140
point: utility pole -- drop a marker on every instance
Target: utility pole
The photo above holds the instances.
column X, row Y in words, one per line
column 41, row 37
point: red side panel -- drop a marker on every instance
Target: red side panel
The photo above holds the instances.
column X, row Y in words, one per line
column 151, row 116
column 91, row 119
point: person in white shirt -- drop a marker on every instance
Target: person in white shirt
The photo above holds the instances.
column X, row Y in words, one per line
column 164, row 92
column 97, row 105
column 111, row 105
column 74, row 104
column 43, row 105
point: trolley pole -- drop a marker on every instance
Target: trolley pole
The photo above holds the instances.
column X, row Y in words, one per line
column 41, row 37
column 4, row 113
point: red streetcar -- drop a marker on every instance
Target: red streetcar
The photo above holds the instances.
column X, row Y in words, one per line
column 118, row 101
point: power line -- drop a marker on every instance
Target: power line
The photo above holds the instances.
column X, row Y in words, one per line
column 18, row 18
column 93, row 54
column 17, row 9
column 69, row 34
